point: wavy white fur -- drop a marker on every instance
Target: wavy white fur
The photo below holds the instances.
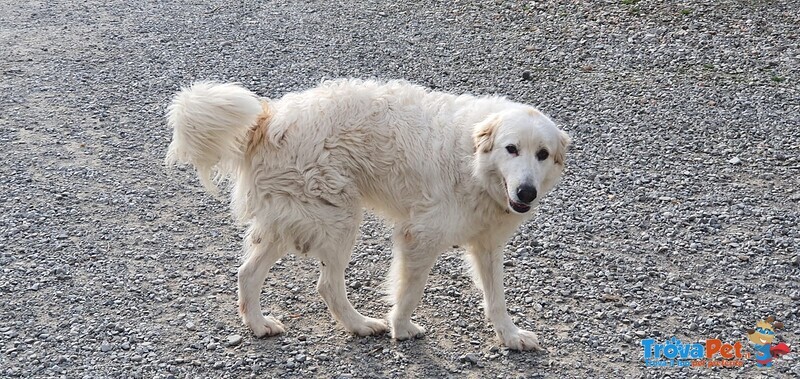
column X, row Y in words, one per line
column 439, row 166
column 209, row 124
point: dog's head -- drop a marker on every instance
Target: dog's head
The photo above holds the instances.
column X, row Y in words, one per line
column 519, row 156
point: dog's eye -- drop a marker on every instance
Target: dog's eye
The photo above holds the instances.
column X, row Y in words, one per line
column 542, row 154
column 511, row 149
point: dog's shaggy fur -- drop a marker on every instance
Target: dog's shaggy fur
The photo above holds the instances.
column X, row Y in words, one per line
column 447, row 170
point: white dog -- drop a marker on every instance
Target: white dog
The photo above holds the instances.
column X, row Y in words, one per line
column 447, row 170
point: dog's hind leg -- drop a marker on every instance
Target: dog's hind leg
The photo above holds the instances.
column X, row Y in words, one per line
column 334, row 255
column 260, row 254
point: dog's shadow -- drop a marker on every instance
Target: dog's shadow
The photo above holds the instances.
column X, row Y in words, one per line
column 328, row 351
column 438, row 354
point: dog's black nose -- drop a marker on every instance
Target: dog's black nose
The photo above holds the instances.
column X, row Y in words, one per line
column 526, row 193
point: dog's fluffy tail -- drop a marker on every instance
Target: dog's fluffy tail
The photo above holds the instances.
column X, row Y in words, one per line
column 210, row 124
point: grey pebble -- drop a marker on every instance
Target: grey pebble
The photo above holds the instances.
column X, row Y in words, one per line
column 233, row 340
column 106, row 347
column 469, row 357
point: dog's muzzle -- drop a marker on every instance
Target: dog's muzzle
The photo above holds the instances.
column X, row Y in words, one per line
column 526, row 194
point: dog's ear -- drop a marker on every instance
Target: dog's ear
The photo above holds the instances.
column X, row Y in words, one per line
column 483, row 136
column 563, row 142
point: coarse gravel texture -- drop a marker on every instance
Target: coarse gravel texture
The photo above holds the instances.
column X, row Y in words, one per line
column 678, row 214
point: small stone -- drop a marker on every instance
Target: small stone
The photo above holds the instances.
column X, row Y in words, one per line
column 528, row 299
column 136, row 358
column 469, row 357
column 744, row 258
column 191, row 326
column 527, row 75
column 640, row 333
column 105, row 347
column 212, row 346
column 234, row 339
column 735, row 161
column 300, row 358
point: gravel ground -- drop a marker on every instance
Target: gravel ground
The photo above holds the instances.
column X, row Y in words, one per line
column 677, row 216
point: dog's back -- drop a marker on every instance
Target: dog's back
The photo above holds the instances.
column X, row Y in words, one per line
column 388, row 144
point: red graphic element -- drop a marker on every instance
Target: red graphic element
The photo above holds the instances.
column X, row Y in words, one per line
column 779, row 349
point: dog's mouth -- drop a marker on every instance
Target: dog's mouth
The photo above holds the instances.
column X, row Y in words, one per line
column 519, row 207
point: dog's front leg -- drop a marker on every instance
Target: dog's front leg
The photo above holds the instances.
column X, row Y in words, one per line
column 488, row 275
column 411, row 264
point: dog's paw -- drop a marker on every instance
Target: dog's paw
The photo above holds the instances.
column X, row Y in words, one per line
column 521, row 340
column 265, row 326
column 407, row 330
column 369, row 327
